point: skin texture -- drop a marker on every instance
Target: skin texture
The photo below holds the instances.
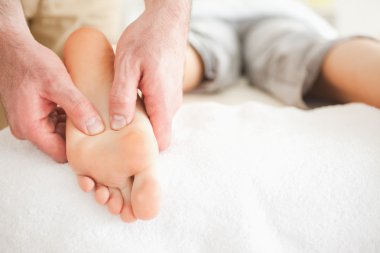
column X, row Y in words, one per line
column 350, row 73
column 118, row 164
column 33, row 80
column 150, row 56
column 194, row 70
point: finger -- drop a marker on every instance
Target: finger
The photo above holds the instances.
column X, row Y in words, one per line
column 57, row 116
column 102, row 194
column 53, row 117
column 160, row 116
column 86, row 183
column 62, row 118
column 80, row 111
column 61, row 129
column 60, row 110
column 43, row 135
column 123, row 94
column 58, row 119
column 61, row 115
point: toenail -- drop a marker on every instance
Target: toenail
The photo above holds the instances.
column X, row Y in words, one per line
column 118, row 122
column 94, row 126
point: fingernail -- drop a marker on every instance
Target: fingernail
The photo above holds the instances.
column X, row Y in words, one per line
column 118, row 122
column 94, row 126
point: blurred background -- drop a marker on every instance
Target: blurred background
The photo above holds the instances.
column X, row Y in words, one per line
column 348, row 16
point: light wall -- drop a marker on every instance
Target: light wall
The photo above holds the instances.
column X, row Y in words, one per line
column 351, row 16
column 358, row 16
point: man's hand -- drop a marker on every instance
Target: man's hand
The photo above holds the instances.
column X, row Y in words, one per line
column 33, row 81
column 150, row 56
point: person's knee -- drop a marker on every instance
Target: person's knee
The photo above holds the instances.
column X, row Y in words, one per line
column 276, row 48
column 218, row 44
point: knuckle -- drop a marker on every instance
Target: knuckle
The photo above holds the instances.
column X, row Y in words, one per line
column 52, row 83
column 56, row 82
column 118, row 99
column 31, row 133
column 19, row 126
column 16, row 133
column 161, row 80
column 79, row 106
column 121, row 98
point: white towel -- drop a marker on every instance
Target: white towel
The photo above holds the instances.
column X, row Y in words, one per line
column 249, row 178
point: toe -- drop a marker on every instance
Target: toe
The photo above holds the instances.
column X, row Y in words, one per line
column 145, row 197
column 127, row 213
column 115, row 204
column 102, row 194
column 86, row 183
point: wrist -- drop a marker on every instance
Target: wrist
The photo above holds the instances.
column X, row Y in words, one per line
column 172, row 15
column 182, row 4
column 13, row 25
column 176, row 10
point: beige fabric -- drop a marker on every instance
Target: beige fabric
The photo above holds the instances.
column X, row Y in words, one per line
column 30, row 8
column 3, row 120
column 52, row 21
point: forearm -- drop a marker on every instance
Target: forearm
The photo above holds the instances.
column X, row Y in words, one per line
column 177, row 12
column 12, row 21
column 183, row 6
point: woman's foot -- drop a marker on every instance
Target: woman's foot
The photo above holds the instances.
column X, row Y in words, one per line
column 119, row 165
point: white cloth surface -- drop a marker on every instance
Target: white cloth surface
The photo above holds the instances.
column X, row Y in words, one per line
column 239, row 93
column 248, row 178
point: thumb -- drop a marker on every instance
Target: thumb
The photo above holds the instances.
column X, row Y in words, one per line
column 47, row 140
column 77, row 107
column 160, row 116
column 123, row 95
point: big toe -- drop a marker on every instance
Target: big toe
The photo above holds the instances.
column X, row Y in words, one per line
column 145, row 196
column 127, row 214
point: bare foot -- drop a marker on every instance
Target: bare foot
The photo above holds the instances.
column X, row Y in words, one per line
column 119, row 165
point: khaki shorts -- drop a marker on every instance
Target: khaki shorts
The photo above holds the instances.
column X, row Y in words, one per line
column 280, row 55
column 52, row 21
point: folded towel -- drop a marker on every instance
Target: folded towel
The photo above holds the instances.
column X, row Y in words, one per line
column 248, row 178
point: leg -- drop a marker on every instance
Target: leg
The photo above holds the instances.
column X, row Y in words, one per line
column 351, row 73
column 119, row 164
column 213, row 60
column 285, row 62
column 194, row 70
column 213, row 55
